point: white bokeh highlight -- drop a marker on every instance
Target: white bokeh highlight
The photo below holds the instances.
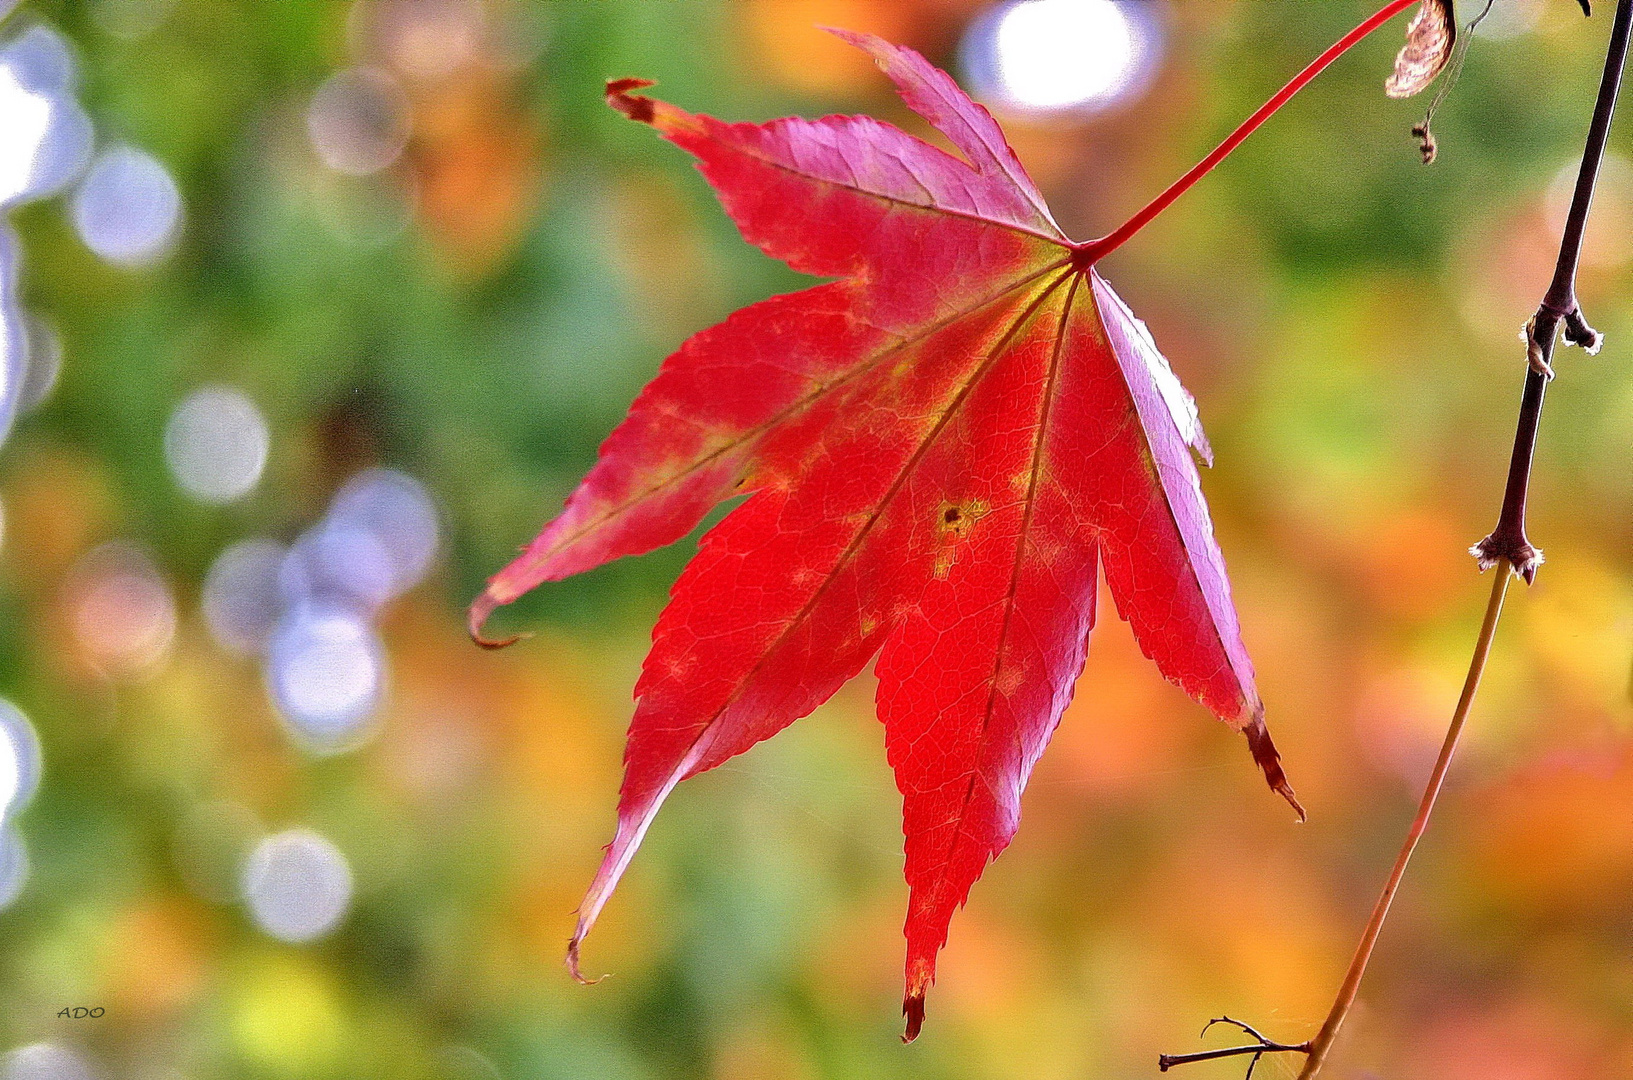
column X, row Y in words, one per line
column 127, row 209
column 19, row 761
column 45, row 140
column 307, row 610
column 325, row 673
column 25, row 118
column 45, row 1061
column 396, row 509
column 45, row 136
column 216, row 444
column 1062, row 56
column 342, row 562
column 298, row 885
column 14, row 867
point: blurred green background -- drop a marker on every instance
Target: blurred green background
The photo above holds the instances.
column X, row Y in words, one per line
column 373, row 279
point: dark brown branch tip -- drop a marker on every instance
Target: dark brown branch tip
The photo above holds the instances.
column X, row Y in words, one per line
column 1507, row 546
column 1253, row 1032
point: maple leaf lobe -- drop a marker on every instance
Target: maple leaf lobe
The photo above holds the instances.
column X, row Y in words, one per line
column 940, row 450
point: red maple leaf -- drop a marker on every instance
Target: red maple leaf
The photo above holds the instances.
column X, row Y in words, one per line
column 939, row 448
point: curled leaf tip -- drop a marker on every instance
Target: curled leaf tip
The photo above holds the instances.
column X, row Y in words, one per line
column 572, row 963
column 633, row 106
column 1429, row 40
column 480, row 609
column 1269, row 759
column 913, row 1009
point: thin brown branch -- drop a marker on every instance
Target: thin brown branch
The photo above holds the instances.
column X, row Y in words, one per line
column 1507, row 548
column 1322, row 1043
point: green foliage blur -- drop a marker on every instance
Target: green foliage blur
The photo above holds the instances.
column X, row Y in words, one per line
column 478, row 314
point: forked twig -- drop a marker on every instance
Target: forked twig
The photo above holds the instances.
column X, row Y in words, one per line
column 1259, row 1048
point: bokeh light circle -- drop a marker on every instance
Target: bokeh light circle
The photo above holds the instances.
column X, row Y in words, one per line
column 1062, row 56
column 325, row 673
column 339, row 561
column 42, row 60
column 1608, row 241
column 1510, row 19
column 358, row 121
column 19, row 760
column 132, row 19
column 216, row 444
column 123, row 613
column 127, row 209
column 14, row 867
column 45, row 1061
column 25, row 118
column 298, row 885
column 45, row 136
column 398, row 511
column 424, row 40
column 241, row 598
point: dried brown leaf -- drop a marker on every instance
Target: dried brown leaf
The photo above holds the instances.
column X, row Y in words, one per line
column 1429, row 40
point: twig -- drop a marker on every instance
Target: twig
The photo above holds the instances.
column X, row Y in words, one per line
column 1559, row 307
column 1258, row 1049
column 1507, row 548
column 1380, row 911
